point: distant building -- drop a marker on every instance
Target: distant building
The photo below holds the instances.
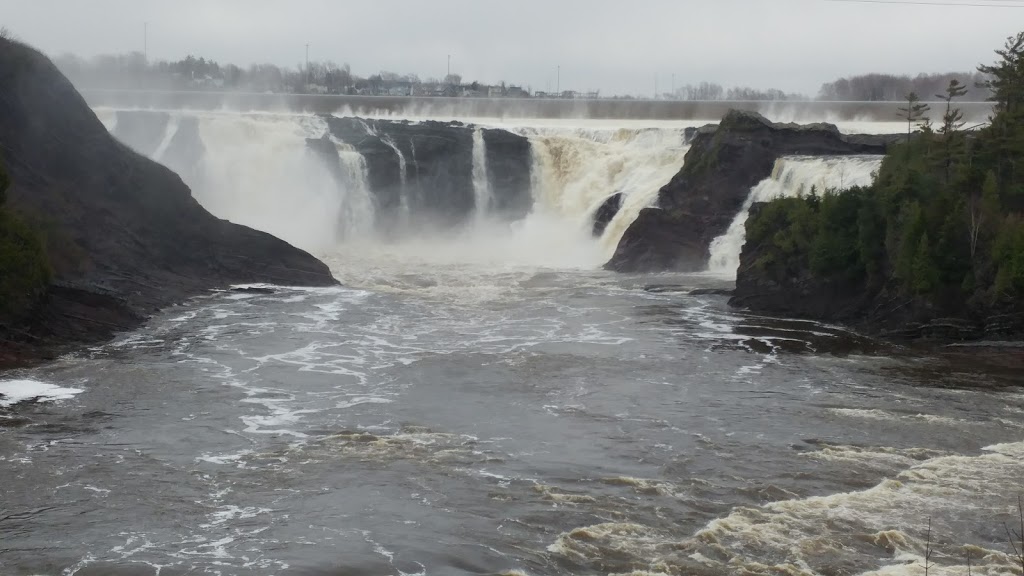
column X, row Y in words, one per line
column 516, row 92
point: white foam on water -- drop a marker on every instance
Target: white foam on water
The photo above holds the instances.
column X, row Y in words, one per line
column 16, row 391
column 803, row 535
column 882, row 415
column 361, row 400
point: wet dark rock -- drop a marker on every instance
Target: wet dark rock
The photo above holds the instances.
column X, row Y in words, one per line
column 711, row 292
column 606, row 212
column 721, row 166
column 509, row 166
column 252, row 290
column 125, row 236
column 436, row 187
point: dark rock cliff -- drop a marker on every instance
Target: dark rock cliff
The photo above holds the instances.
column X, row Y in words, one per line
column 724, row 162
column 125, row 237
column 509, row 166
column 436, row 187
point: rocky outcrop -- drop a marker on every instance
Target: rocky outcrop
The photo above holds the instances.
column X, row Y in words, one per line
column 724, row 162
column 605, row 212
column 125, row 236
column 421, row 173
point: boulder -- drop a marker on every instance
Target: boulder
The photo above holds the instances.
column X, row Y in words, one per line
column 605, row 212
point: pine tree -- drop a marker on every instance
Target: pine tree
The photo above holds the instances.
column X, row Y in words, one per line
column 1007, row 85
column 952, row 121
column 1007, row 77
column 914, row 112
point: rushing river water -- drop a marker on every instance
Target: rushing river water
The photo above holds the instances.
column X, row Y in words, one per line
column 440, row 418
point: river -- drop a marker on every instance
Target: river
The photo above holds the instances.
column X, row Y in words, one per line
column 492, row 402
column 436, row 418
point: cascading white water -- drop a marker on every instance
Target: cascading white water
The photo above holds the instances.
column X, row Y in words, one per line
column 791, row 176
column 403, row 174
column 357, row 212
column 482, row 193
column 575, row 170
column 169, row 132
column 258, row 171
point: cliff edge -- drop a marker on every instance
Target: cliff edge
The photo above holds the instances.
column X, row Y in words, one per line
column 123, row 235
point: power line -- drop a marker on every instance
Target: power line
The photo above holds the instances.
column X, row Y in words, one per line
column 926, row 3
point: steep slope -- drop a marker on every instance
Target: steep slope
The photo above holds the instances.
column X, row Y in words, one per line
column 124, row 235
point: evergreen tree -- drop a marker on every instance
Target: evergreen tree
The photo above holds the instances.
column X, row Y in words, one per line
column 1006, row 81
column 925, row 275
column 952, row 121
column 914, row 112
column 5, row 182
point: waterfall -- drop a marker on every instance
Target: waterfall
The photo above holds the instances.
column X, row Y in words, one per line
column 791, row 176
column 169, row 132
column 357, row 215
column 481, row 185
column 575, row 170
column 403, row 174
column 274, row 173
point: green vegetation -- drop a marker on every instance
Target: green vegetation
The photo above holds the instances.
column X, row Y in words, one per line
column 943, row 222
column 24, row 269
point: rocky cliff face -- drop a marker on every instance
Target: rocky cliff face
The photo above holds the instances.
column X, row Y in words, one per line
column 422, row 172
column 125, row 236
column 722, row 165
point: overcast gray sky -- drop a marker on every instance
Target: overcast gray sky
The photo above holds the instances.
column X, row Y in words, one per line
column 619, row 46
